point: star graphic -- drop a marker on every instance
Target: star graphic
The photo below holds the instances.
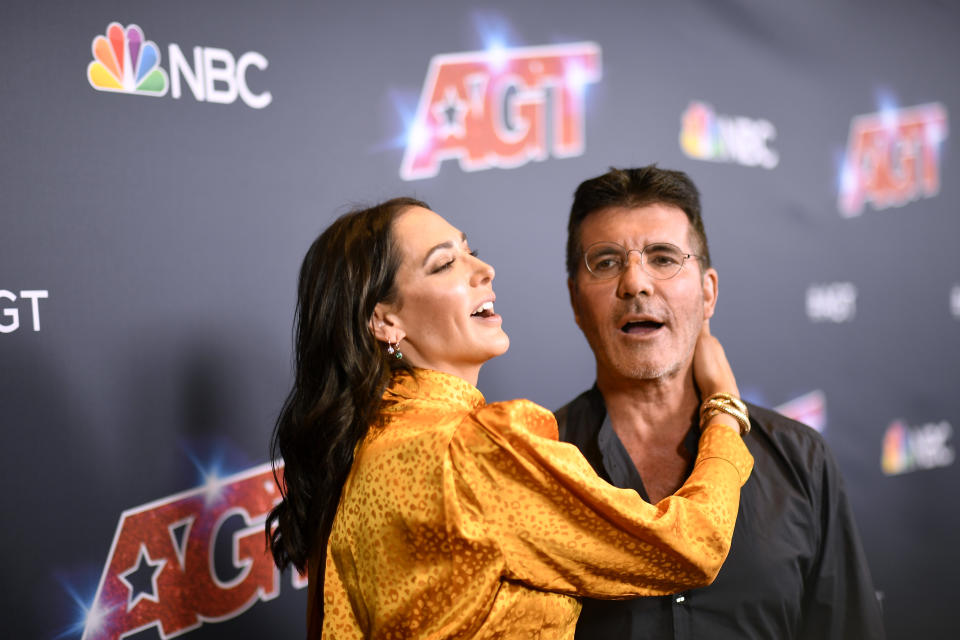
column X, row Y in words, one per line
column 141, row 578
column 451, row 113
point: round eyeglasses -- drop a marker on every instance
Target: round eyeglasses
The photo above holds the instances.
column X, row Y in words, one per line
column 660, row 260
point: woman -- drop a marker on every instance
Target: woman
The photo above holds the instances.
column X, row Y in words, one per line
column 419, row 511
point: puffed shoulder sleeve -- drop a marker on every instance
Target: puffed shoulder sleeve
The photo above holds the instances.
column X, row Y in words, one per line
column 560, row 527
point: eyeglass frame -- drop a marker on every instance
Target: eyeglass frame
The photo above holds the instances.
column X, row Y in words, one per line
column 643, row 263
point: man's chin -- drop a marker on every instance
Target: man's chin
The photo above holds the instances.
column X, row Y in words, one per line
column 648, row 371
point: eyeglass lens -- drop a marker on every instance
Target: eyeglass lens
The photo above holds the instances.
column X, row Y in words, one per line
column 609, row 260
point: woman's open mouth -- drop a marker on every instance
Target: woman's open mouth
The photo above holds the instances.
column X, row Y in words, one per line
column 485, row 310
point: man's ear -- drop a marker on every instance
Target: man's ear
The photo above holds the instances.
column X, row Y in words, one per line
column 710, row 281
column 572, row 290
column 385, row 324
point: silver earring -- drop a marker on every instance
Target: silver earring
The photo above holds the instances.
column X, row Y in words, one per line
column 394, row 350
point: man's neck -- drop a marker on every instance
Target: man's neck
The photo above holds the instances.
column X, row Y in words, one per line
column 652, row 418
column 654, row 410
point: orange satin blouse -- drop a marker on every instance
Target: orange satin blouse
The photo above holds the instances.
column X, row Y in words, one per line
column 461, row 519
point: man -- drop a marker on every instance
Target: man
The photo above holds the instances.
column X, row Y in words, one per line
column 641, row 286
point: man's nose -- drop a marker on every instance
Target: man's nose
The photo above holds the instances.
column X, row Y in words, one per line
column 634, row 281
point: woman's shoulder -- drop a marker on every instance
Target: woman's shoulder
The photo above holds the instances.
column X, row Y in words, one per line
column 519, row 416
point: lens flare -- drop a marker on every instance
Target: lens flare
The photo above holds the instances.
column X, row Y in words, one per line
column 495, row 34
column 89, row 619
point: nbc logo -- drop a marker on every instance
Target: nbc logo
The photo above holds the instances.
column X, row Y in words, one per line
column 907, row 448
column 124, row 61
column 704, row 135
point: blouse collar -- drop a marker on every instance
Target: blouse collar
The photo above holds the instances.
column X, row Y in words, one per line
column 433, row 387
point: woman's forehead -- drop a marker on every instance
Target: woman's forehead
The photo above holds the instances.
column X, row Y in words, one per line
column 418, row 230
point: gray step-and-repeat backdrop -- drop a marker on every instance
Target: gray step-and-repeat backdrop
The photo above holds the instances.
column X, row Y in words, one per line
column 164, row 166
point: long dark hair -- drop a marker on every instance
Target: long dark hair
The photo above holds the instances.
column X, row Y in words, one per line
column 340, row 374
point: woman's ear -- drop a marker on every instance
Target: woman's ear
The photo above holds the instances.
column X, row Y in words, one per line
column 385, row 325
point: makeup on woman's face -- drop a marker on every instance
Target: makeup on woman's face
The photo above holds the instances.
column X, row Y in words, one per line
column 445, row 306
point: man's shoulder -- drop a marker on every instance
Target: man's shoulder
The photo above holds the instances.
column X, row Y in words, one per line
column 581, row 418
column 778, row 426
column 797, row 445
column 579, row 403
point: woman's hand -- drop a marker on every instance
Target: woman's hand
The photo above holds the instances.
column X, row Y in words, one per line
column 712, row 372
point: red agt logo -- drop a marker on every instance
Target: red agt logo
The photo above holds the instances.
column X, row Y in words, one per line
column 893, row 157
column 810, row 409
column 501, row 108
column 160, row 571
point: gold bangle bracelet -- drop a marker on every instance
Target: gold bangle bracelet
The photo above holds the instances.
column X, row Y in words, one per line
column 740, row 417
column 726, row 398
column 725, row 403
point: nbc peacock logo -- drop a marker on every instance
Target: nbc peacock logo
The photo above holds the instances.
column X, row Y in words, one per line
column 909, row 448
column 125, row 62
column 705, row 135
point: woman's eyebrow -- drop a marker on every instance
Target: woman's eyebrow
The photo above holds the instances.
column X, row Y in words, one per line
column 443, row 245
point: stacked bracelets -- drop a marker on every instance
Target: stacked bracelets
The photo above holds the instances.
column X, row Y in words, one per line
column 725, row 403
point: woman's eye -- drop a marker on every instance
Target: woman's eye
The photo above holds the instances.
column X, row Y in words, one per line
column 443, row 267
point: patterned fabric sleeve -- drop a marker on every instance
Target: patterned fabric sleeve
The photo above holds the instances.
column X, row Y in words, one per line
column 561, row 528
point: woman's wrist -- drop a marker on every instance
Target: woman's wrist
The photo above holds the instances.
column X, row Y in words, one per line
column 724, row 422
column 721, row 407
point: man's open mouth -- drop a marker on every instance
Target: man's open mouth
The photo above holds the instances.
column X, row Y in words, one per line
column 641, row 327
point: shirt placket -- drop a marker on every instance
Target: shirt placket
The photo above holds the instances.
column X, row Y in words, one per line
column 680, row 607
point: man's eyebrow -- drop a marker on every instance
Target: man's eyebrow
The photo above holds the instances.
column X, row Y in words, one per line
column 443, row 245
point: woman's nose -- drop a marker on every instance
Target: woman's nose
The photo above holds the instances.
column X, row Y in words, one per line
column 483, row 272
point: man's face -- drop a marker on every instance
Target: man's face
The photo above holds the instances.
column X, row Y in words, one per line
column 639, row 327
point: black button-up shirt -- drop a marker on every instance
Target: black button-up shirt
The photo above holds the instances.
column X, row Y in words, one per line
column 796, row 568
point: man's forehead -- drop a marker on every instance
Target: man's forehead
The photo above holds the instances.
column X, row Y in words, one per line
column 629, row 223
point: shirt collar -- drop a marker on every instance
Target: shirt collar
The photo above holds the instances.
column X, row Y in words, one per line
column 436, row 388
column 613, row 455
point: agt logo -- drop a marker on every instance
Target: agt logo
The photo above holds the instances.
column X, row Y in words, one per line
column 162, row 571
column 125, row 62
column 834, row 302
column 810, row 409
column 501, row 108
column 12, row 314
column 704, row 135
column 907, row 448
column 892, row 158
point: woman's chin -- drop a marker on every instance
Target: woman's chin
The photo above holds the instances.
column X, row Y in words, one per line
column 499, row 346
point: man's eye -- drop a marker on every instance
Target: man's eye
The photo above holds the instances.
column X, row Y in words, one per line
column 663, row 260
column 606, row 264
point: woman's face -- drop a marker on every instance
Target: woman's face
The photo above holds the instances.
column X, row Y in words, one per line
column 443, row 316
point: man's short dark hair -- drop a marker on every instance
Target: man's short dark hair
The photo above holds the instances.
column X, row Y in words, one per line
column 631, row 188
